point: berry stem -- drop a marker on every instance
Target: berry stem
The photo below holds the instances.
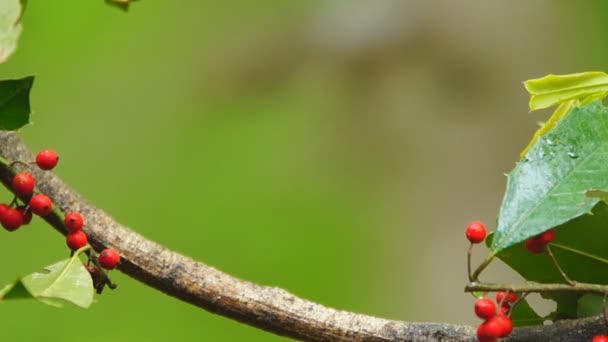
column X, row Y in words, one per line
column 558, row 267
column 469, row 253
column 103, row 275
column 521, row 297
column 474, row 277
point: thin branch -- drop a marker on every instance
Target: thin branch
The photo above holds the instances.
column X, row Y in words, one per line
column 269, row 308
column 581, row 288
column 558, row 267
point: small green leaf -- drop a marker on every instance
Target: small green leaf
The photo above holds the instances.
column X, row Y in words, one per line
column 15, row 103
column 67, row 280
column 548, row 186
column 10, row 27
column 554, row 89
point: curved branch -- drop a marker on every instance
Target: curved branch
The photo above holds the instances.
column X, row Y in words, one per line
column 269, row 308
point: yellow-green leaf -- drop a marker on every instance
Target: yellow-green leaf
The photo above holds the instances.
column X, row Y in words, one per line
column 555, row 89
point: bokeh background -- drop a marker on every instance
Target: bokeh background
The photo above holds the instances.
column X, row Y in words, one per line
column 334, row 148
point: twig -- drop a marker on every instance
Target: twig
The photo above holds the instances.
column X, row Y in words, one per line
column 269, row 308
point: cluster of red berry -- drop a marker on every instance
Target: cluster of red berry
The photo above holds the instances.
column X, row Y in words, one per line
column 14, row 215
column 498, row 324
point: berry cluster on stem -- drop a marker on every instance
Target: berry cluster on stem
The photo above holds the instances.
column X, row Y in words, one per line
column 27, row 202
column 497, row 315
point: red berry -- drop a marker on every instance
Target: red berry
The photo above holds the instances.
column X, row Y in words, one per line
column 76, row 240
column 546, row 237
column 489, row 330
column 73, row 221
column 509, row 298
column 537, row 243
column 505, row 323
column 108, row 259
column 23, row 184
column 10, row 218
column 476, row 232
column 504, row 308
column 47, row 159
column 41, row 205
column 600, row 338
column 485, row 308
column 534, row 246
column 27, row 215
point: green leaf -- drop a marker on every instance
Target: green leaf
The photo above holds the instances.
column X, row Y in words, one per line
column 66, row 280
column 548, row 186
column 523, row 315
column 580, row 248
column 590, row 305
column 10, row 27
column 554, row 89
column 15, row 103
column 559, row 113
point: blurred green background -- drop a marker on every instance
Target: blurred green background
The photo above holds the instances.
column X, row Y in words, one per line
column 334, row 148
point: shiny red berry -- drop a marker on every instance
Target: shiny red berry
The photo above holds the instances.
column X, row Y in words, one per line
column 10, row 218
column 23, row 183
column 41, row 205
column 47, row 159
column 26, row 214
column 546, row 236
column 538, row 243
column 505, row 323
column 73, row 221
column 485, row 308
column 489, row 331
column 76, row 240
column 476, row 232
column 109, row 259
column 506, row 298
column 534, row 246
column 600, row 338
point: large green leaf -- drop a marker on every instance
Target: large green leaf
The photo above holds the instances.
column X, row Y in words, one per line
column 554, row 89
column 66, row 280
column 580, row 248
column 15, row 103
column 10, row 27
column 547, row 187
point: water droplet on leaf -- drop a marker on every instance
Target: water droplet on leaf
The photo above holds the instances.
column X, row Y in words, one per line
column 549, row 142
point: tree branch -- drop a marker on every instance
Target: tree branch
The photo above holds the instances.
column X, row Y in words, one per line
column 269, row 308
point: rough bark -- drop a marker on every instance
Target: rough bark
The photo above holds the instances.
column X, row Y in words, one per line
column 269, row 308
